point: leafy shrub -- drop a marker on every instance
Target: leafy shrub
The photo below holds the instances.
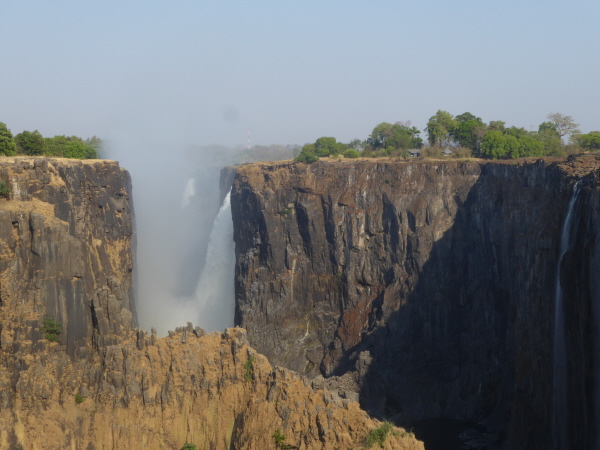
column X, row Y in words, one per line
column 188, row 446
column 51, row 329
column 351, row 153
column 379, row 434
column 4, row 189
column 78, row 399
column 248, row 366
column 280, row 441
column 306, row 157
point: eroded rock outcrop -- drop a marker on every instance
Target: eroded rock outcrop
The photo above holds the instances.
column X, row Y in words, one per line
column 162, row 392
column 427, row 286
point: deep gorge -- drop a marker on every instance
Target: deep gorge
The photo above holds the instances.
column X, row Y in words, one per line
column 427, row 287
column 426, row 290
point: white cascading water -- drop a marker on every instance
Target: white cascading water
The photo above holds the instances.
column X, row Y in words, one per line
column 215, row 296
column 560, row 407
column 189, row 192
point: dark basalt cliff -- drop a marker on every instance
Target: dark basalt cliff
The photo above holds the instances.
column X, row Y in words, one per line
column 428, row 285
column 65, row 253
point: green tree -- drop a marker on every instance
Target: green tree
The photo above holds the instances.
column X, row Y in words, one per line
column 398, row 135
column 469, row 131
column 307, row 155
column 493, row 145
column 403, row 136
column 325, row 146
column 380, row 134
column 310, row 148
column 496, row 125
column 339, row 148
column 590, row 141
column 547, row 126
column 30, row 143
column 7, row 143
column 516, row 132
column 513, row 147
column 531, row 146
column 440, row 127
column 551, row 141
column 69, row 147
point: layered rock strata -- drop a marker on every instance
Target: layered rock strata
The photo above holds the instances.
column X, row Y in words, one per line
column 428, row 285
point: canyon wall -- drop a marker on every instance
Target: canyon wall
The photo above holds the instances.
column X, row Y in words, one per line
column 65, row 252
column 66, row 234
column 428, row 287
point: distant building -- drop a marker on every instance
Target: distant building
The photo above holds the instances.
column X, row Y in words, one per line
column 414, row 153
column 447, row 152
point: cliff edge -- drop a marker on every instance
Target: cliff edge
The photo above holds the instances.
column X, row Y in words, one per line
column 425, row 288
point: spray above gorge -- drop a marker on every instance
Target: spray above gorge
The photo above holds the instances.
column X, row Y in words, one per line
column 185, row 258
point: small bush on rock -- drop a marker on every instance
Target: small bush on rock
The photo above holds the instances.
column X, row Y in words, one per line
column 4, row 189
column 351, row 153
column 51, row 329
column 280, row 441
column 379, row 434
column 188, row 446
column 248, row 366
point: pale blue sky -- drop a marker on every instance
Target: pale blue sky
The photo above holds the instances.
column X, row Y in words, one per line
column 208, row 71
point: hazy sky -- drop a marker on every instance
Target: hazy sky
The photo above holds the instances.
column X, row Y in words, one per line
column 208, row 71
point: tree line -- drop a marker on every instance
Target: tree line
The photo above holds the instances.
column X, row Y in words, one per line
column 32, row 143
column 465, row 135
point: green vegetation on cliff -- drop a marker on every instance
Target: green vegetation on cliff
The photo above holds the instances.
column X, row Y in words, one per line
column 51, row 329
column 462, row 136
column 33, row 143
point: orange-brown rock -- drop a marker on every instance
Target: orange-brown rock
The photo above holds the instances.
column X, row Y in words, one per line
column 163, row 392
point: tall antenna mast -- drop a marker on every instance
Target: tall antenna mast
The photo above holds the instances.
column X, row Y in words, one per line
column 248, row 139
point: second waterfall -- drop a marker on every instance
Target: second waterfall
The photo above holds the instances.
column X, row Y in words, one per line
column 560, row 382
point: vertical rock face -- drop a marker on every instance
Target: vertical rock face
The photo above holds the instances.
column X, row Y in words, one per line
column 65, row 254
column 429, row 284
column 65, row 251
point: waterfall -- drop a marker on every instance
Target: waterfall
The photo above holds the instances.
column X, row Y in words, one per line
column 559, row 403
column 215, row 295
column 189, row 192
